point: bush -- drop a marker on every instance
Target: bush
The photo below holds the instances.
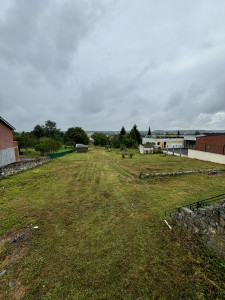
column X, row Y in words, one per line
column 48, row 146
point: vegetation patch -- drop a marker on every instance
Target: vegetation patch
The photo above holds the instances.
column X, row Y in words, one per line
column 102, row 236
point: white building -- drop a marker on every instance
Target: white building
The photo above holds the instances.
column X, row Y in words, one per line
column 144, row 149
column 165, row 141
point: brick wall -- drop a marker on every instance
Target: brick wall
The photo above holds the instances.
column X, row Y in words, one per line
column 6, row 136
column 213, row 144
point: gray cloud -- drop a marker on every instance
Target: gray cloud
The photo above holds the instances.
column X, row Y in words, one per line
column 103, row 64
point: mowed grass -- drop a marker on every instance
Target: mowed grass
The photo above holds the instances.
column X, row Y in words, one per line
column 101, row 233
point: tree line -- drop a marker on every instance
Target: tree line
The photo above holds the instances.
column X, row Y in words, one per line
column 48, row 138
column 122, row 140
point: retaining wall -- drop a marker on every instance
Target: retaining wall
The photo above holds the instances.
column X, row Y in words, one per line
column 213, row 157
column 207, row 223
column 22, row 166
column 143, row 175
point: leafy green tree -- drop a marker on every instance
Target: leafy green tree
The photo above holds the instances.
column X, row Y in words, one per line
column 50, row 128
column 100, row 139
column 39, row 131
column 48, row 145
column 115, row 142
column 149, row 131
column 129, row 142
column 76, row 135
column 178, row 133
column 197, row 132
column 27, row 140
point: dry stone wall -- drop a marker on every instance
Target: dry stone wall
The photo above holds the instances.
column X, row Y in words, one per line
column 22, row 166
column 143, row 175
column 207, row 223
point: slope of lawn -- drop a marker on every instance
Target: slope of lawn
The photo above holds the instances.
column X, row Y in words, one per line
column 101, row 233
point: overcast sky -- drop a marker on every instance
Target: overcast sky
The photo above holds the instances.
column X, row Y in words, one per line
column 101, row 64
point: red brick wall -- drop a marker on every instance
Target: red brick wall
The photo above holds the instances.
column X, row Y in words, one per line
column 6, row 137
column 214, row 144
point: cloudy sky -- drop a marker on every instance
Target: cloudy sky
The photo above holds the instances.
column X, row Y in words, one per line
column 101, row 64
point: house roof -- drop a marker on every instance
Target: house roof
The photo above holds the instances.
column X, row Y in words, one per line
column 6, row 123
column 81, row 146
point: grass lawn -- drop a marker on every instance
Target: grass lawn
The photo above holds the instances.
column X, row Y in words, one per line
column 101, row 233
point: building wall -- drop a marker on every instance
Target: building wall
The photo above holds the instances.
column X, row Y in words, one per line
column 164, row 142
column 213, row 144
column 7, row 156
column 6, row 137
column 82, row 150
column 144, row 150
column 213, row 157
column 8, row 148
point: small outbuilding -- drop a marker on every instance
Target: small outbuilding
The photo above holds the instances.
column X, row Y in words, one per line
column 8, row 148
column 82, row 148
column 144, row 149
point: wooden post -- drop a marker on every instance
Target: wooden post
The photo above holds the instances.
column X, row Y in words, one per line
column 173, row 150
column 167, row 149
column 180, row 151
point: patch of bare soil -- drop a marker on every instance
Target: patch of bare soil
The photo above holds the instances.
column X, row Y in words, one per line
column 106, row 194
column 17, row 247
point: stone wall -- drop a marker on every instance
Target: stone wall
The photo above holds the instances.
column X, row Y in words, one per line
column 207, row 223
column 143, row 175
column 22, row 166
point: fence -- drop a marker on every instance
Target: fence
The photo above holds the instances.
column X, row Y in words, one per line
column 55, row 155
column 196, row 204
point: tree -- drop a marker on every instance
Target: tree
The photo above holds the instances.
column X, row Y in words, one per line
column 135, row 134
column 115, row 142
column 100, row 139
column 197, row 132
column 76, row 135
column 149, row 131
column 129, row 142
column 50, row 128
column 178, row 133
column 39, row 131
column 27, row 140
column 48, row 145
column 122, row 131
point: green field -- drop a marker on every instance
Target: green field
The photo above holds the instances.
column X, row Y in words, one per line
column 101, row 233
